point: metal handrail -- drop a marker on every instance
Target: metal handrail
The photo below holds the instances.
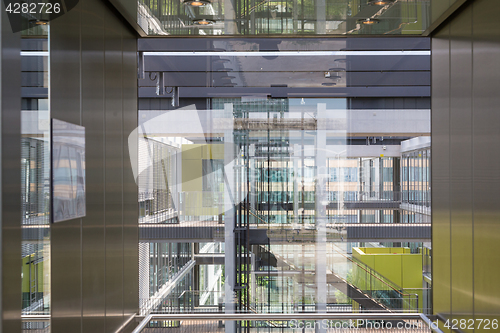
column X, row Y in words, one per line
column 288, row 316
column 266, row 316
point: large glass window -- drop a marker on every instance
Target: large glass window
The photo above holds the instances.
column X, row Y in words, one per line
column 289, row 163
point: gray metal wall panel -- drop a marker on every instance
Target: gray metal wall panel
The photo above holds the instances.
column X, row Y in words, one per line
column 65, row 67
column 88, row 285
column 486, row 156
column 461, row 162
column 440, row 170
column 66, row 275
column 354, row 63
column 93, row 251
column 114, row 172
column 10, row 148
column 289, row 44
column 131, row 209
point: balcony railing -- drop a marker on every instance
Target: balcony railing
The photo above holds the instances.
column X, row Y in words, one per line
column 252, row 322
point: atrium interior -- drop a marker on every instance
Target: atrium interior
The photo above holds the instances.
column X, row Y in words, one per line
column 245, row 166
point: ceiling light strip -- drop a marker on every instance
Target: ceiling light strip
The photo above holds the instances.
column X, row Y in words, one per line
column 286, row 53
column 34, row 53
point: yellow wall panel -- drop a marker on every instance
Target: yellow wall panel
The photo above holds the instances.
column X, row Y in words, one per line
column 412, row 271
column 192, row 152
column 390, row 266
column 396, row 264
column 206, row 152
column 192, row 175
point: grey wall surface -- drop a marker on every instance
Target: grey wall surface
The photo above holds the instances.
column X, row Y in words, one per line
column 466, row 163
column 94, row 84
column 10, row 176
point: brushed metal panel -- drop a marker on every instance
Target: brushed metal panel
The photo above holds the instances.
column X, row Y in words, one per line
column 66, row 236
column 249, row 64
column 66, row 276
column 65, row 67
column 114, row 172
column 486, row 120
column 130, row 195
column 93, row 242
column 461, row 157
column 440, row 172
column 89, row 262
column 10, row 209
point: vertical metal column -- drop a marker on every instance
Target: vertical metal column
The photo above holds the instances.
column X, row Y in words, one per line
column 229, row 218
column 320, row 203
column 229, row 17
column 296, row 149
column 320, row 17
column 144, row 276
column 396, row 188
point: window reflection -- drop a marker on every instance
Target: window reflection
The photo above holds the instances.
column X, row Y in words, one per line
column 300, row 17
column 35, row 173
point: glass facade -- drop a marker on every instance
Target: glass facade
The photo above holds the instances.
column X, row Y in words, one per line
column 281, row 163
column 415, row 184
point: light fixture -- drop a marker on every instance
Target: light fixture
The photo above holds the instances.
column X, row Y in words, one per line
column 380, row 2
column 196, row 3
column 330, row 75
column 39, row 22
column 203, row 22
column 369, row 21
